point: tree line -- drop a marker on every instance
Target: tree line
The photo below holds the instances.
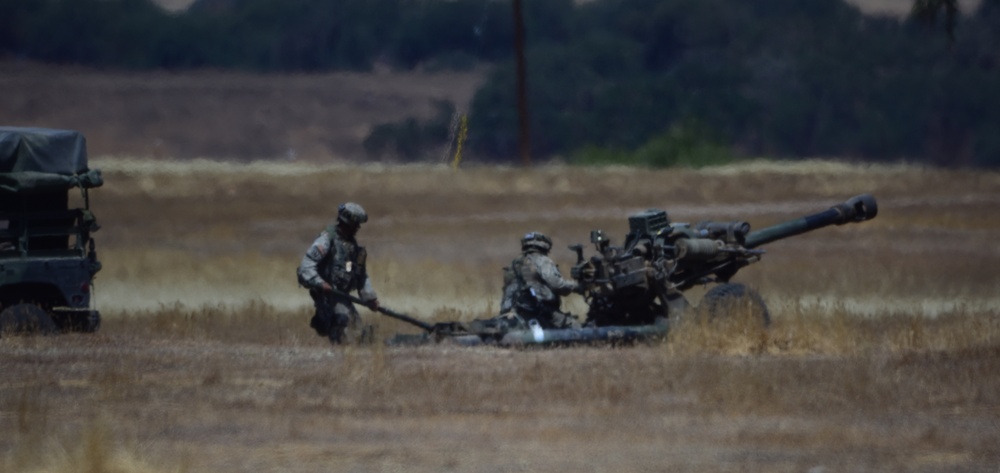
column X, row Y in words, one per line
column 654, row 82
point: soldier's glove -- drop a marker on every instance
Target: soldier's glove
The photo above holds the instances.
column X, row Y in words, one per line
column 326, row 287
column 373, row 305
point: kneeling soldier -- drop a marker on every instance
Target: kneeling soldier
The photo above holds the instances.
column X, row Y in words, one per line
column 533, row 286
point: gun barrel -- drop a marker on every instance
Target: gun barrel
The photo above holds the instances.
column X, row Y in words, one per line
column 856, row 209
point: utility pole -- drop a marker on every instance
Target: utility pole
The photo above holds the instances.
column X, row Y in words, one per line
column 523, row 138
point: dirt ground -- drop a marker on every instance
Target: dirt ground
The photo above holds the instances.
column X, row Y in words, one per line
column 884, row 354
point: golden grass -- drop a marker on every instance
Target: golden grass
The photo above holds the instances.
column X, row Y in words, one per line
column 438, row 238
column 93, row 450
column 882, row 355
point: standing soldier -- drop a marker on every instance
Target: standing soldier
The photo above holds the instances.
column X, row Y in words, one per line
column 533, row 286
column 333, row 267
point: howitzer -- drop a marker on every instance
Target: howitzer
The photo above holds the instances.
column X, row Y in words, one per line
column 642, row 282
column 635, row 291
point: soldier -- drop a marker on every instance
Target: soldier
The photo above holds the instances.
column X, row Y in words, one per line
column 332, row 267
column 533, row 286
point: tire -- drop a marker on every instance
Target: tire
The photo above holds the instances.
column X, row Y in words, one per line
column 720, row 302
column 91, row 322
column 85, row 321
column 26, row 319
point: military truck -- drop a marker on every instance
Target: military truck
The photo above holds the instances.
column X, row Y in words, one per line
column 47, row 255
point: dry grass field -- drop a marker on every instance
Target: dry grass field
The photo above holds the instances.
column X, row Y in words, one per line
column 884, row 354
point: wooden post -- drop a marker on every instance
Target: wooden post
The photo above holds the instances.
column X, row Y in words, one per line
column 524, row 137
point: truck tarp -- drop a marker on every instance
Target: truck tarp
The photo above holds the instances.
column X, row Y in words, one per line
column 41, row 159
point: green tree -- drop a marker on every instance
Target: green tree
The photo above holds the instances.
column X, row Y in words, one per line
column 929, row 11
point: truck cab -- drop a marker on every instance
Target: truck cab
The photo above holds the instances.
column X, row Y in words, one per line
column 47, row 254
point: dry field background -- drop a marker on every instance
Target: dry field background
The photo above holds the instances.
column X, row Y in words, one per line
column 884, row 354
column 232, row 115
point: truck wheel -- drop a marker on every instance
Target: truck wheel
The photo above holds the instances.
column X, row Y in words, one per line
column 722, row 300
column 26, row 319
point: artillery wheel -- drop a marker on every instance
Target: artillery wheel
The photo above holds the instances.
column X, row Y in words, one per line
column 26, row 319
column 722, row 300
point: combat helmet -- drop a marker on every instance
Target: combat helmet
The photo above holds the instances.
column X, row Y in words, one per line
column 351, row 214
column 536, row 240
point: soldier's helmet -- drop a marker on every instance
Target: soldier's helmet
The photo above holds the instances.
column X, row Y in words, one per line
column 536, row 240
column 351, row 214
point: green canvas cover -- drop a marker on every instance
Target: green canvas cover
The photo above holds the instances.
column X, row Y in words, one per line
column 41, row 159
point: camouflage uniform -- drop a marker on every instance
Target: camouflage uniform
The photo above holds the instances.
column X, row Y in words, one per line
column 533, row 286
column 336, row 258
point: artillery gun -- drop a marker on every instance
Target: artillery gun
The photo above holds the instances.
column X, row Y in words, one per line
column 636, row 290
column 643, row 281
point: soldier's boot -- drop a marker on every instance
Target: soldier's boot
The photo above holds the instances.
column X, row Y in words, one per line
column 343, row 327
column 366, row 336
column 322, row 327
column 338, row 335
column 500, row 324
column 565, row 320
column 352, row 335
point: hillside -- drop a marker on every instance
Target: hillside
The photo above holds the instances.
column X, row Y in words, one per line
column 223, row 115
